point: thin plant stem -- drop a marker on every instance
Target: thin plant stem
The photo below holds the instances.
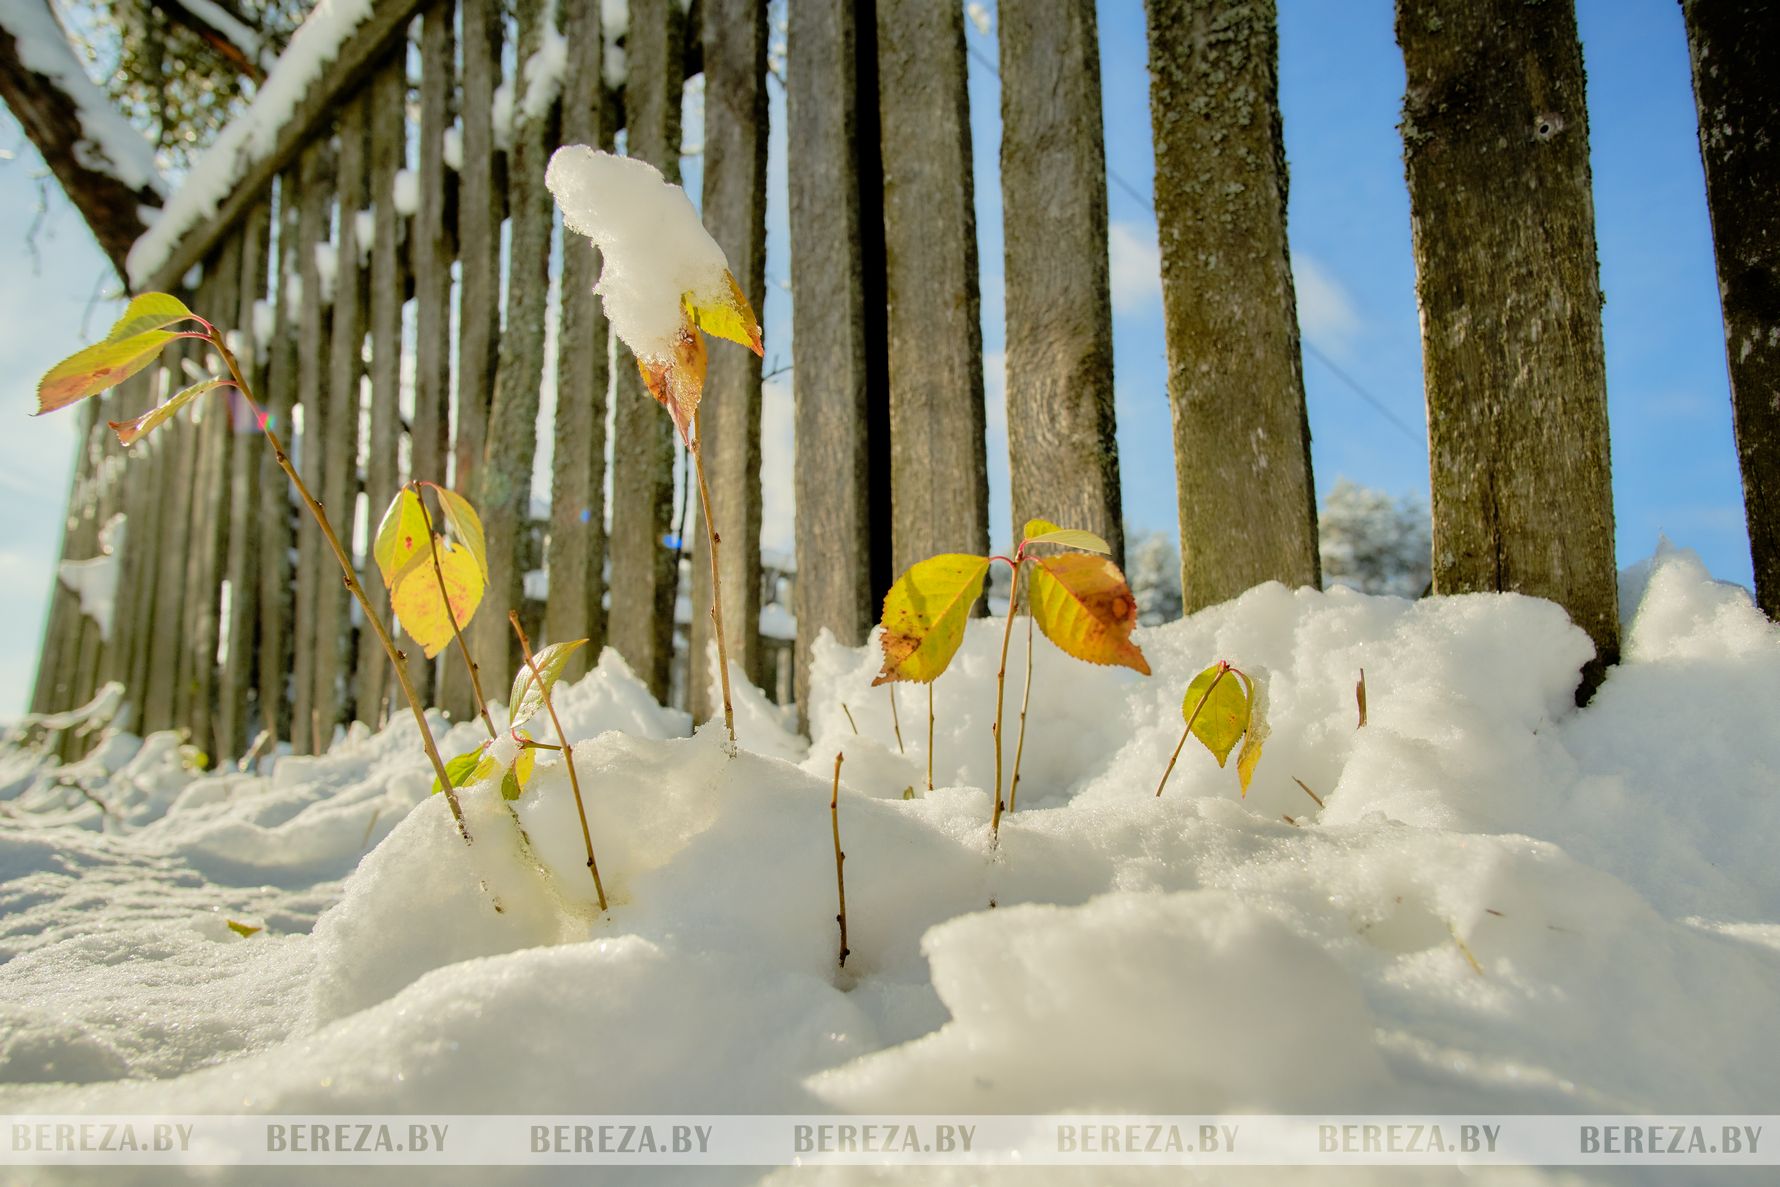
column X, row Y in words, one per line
column 704, row 499
column 930, row 735
column 463, row 649
column 1223, row 670
column 1013, row 601
column 840, row 881
column 568, row 751
column 1013, row 788
column 895, row 720
column 396, row 658
column 850, row 720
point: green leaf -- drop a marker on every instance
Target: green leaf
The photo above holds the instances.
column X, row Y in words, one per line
column 1083, row 605
column 462, row 770
column 466, row 525
column 97, row 368
column 131, row 431
column 1043, row 531
column 1218, row 709
column 527, row 700
column 1257, row 730
column 924, row 615
column 401, row 538
column 150, row 311
column 513, row 782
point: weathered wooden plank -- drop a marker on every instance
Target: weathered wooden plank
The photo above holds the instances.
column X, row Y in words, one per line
column 148, row 471
column 1063, row 451
column 431, row 250
column 1235, row 379
column 504, row 484
column 277, row 523
column 219, row 298
column 479, row 312
column 61, row 630
column 837, row 275
column 169, row 640
column 315, row 198
column 133, row 500
column 734, row 210
column 1495, row 144
column 577, row 547
column 939, row 469
column 307, row 123
column 241, row 565
column 389, row 94
column 334, row 643
column 643, row 578
column 1737, row 92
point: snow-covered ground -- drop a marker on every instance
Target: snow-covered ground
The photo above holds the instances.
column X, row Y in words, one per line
column 1507, row 905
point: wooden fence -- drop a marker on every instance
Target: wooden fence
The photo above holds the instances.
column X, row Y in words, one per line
column 366, row 245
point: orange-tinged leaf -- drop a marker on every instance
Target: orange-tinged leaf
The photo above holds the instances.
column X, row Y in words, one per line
column 97, row 368
column 1217, row 706
column 732, row 318
column 1082, row 604
column 678, row 381
column 150, row 311
column 416, row 601
column 401, row 539
column 466, row 525
column 1257, row 731
column 924, row 615
column 131, row 431
column 527, row 700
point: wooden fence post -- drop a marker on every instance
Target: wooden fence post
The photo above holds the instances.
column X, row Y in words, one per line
column 315, row 198
column 939, row 470
column 278, row 527
column 1235, row 377
column 577, row 551
column 1738, row 96
column 734, row 210
column 1495, row 142
column 1063, row 449
column 643, row 578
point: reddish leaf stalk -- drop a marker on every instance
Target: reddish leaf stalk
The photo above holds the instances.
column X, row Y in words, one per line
column 568, row 752
column 396, row 657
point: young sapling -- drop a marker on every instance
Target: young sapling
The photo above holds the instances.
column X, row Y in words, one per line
column 1222, row 706
column 134, row 342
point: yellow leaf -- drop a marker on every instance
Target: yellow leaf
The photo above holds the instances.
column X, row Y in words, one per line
column 1257, row 731
column 97, row 368
column 150, row 311
column 924, row 615
column 513, row 782
column 1218, row 708
column 466, row 525
column 1083, row 605
column 416, row 601
column 1043, row 531
column 131, row 431
column 242, row 929
column 732, row 318
column 401, row 539
column 527, row 700
column 678, row 381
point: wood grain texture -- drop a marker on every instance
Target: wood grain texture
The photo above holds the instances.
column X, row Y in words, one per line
column 734, row 210
column 171, row 551
column 1063, row 452
column 315, row 197
column 242, row 562
column 939, row 470
column 1495, row 142
column 277, row 511
column 1247, row 502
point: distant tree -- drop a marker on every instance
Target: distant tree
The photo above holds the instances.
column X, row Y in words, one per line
column 1373, row 542
column 1152, row 566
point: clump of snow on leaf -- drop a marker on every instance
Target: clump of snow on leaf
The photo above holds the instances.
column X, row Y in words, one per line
column 653, row 247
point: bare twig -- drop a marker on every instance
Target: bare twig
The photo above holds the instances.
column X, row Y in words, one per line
column 1313, row 795
column 1013, row 789
column 704, row 499
column 895, row 719
column 1360, row 696
column 850, row 720
column 1013, row 600
column 568, row 751
column 930, row 735
column 840, row 881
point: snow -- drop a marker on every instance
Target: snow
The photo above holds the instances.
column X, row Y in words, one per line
column 452, row 146
column 407, row 191
column 251, row 136
column 1609, row 870
column 94, row 580
column 224, row 22
column 653, row 247
column 109, row 144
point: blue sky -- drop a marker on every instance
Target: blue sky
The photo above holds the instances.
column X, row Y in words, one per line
column 1341, row 87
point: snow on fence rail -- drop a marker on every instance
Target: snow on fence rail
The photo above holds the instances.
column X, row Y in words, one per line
column 351, row 227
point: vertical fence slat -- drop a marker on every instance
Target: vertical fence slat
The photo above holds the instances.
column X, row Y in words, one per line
column 148, row 473
column 479, row 313
column 734, row 210
column 241, row 566
column 340, row 442
column 577, row 550
column 168, row 639
column 315, row 197
column 939, row 470
column 1495, row 144
column 836, row 277
column 1063, row 454
column 1737, row 92
column 430, row 251
column 60, row 627
column 132, row 496
column 389, row 93
column 277, row 573
column 505, row 481
column 643, row 577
